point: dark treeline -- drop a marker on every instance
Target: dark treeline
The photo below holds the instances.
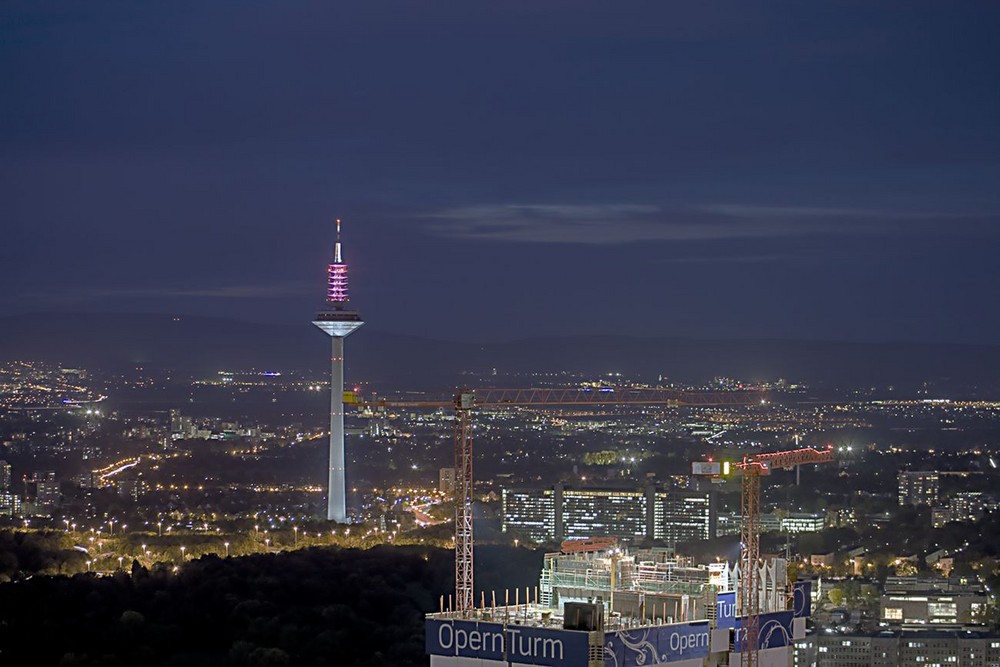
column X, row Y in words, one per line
column 306, row 607
column 28, row 553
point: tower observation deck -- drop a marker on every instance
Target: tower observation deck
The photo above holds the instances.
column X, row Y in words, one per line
column 337, row 320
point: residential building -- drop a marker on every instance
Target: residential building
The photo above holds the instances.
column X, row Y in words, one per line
column 918, row 487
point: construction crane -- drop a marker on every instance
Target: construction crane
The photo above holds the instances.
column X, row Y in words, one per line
column 753, row 467
column 467, row 400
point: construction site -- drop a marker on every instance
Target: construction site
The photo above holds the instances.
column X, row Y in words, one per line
column 600, row 603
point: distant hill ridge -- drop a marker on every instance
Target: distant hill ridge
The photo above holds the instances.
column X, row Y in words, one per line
column 204, row 345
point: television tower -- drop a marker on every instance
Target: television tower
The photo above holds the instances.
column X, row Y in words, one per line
column 337, row 320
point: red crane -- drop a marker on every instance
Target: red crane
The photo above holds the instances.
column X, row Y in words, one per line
column 467, row 400
column 753, row 467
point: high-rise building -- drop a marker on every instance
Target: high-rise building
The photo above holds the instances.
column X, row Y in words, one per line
column 446, row 480
column 970, row 505
column 918, row 487
column 337, row 321
column 181, row 426
column 531, row 513
column 42, row 489
column 680, row 516
column 559, row 513
column 597, row 608
column 10, row 504
column 4, row 476
column 600, row 513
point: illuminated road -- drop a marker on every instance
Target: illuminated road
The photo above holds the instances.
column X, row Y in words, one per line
column 422, row 517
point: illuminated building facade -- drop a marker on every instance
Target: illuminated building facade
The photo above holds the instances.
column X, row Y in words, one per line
column 10, row 504
column 933, row 608
column 600, row 513
column 337, row 320
column 560, row 513
column 681, row 516
column 918, row 488
column 889, row 649
column 964, row 506
column 530, row 513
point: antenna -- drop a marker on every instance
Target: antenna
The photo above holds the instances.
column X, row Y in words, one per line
column 336, row 284
column 336, row 252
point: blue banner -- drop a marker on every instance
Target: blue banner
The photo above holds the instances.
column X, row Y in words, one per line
column 513, row 643
column 775, row 631
column 802, row 599
column 725, row 610
column 658, row 644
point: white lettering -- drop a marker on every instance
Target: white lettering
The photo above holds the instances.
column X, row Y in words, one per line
column 512, row 640
column 496, row 643
column 519, row 642
column 552, row 648
column 680, row 642
column 441, row 636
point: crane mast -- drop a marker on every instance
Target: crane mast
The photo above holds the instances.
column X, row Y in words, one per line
column 753, row 467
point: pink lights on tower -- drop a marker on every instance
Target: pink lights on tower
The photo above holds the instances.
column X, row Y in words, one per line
column 336, row 284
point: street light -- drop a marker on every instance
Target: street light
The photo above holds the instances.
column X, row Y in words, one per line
column 227, row 548
column 120, row 560
column 295, row 530
column 183, row 549
column 159, row 528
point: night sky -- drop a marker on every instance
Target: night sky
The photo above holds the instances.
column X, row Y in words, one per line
column 814, row 170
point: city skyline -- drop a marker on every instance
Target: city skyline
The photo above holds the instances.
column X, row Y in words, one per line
column 713, row 172
column 631, row 274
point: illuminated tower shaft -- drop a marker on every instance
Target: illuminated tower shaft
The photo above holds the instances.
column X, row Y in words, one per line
column 337, row 321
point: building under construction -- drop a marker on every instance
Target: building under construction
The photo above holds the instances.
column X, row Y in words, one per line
column 600, row 605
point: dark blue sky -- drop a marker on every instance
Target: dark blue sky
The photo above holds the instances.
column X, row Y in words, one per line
column 505, row 169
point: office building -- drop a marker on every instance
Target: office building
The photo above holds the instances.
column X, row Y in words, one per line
column 530, row 513
column 729, row 523
column 561, row 512
column 933, row 601
column 924, row 648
